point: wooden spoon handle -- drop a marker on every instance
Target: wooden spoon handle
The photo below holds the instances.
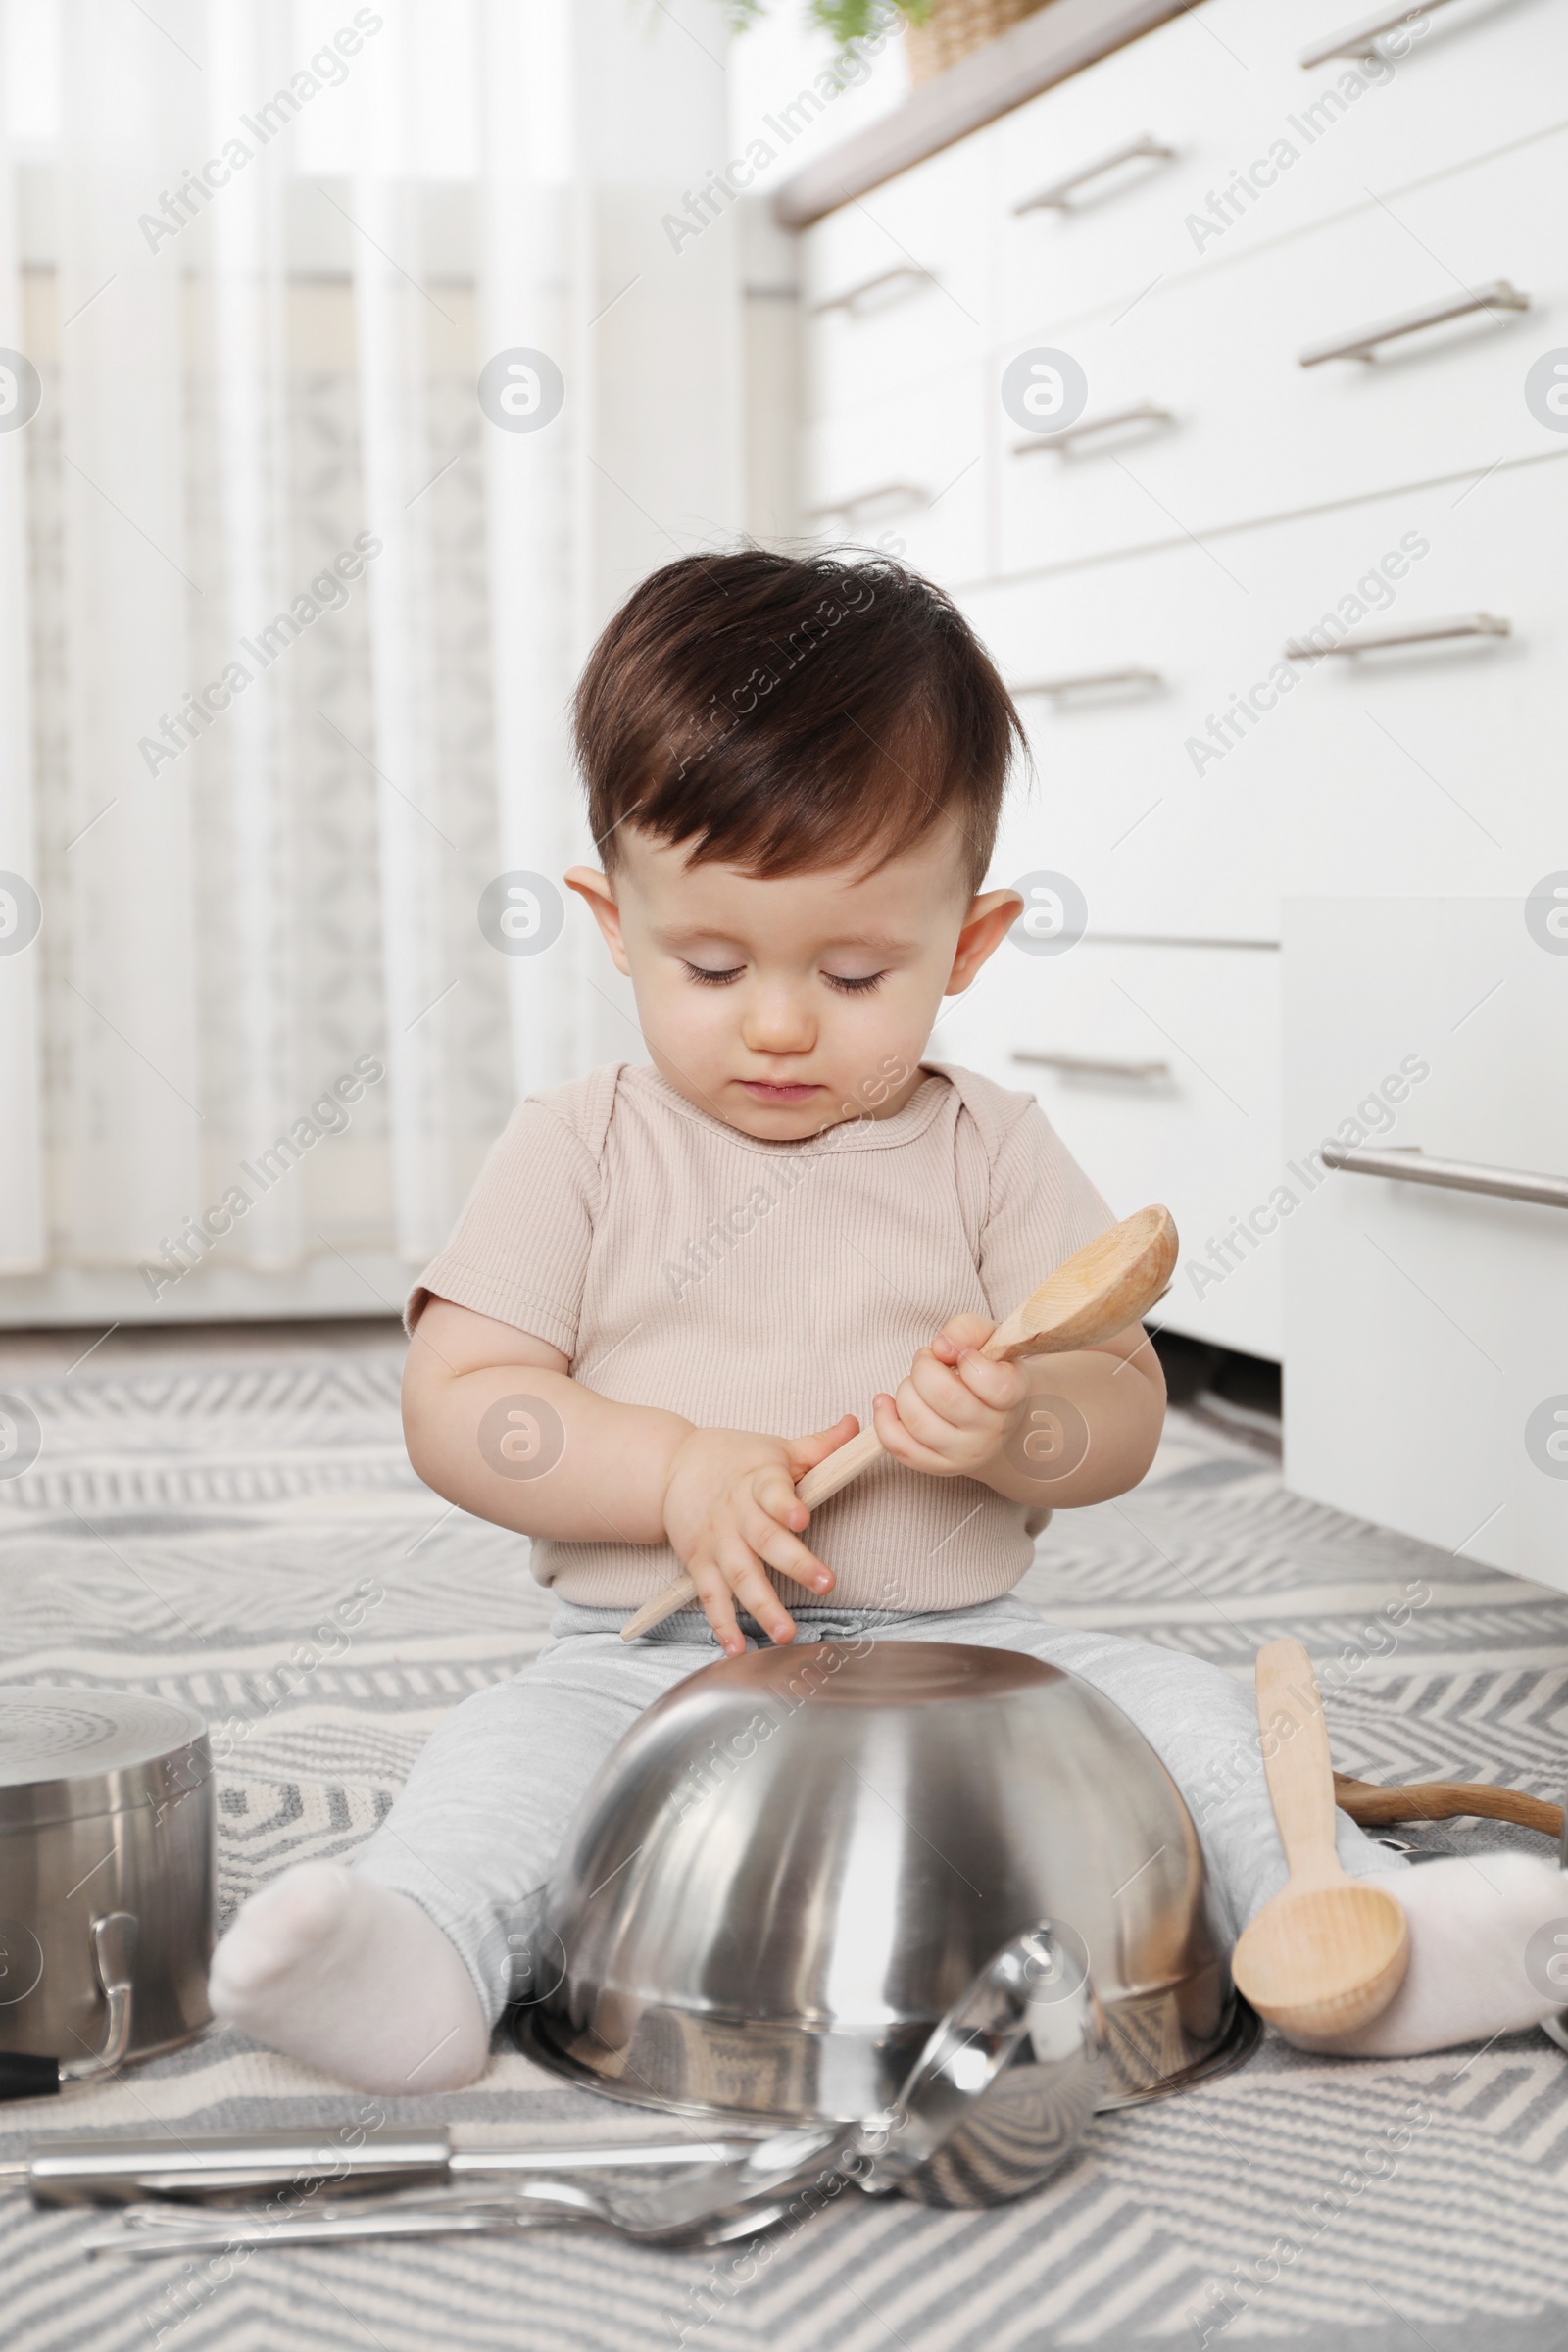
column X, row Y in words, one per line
column 1104, row 1287
column 677, row 1596
column 845, row 1463
column 1296, row 1760
column 1372, row 1805
column 1100, row 1290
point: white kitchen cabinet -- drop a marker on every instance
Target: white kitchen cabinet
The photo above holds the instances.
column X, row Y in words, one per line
column 1412, row 770
column 1426, row 1330
column 1254, row 432
column 908, row 473
column 897, row 286
column 1161, row 1075
column 1223, row 88
column 1139, row 590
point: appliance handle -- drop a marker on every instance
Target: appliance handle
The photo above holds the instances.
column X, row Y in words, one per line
column 1412, row 1166
column 1080, row 1065
column 907, row 494
column 852, row 296
column 1357, row 40
column 1499, row 295
column 1415, row 632
column 1055, row 197
column 1141, row 412
column 1095, row 681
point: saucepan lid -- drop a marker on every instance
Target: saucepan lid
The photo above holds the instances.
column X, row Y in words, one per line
column 68, row 1752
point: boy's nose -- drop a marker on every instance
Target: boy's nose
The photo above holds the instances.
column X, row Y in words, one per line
column 777, row 1024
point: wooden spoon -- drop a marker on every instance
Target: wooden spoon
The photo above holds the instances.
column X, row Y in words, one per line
column 1109, row 1283
column 1374, row 1803
column 1329, row 1952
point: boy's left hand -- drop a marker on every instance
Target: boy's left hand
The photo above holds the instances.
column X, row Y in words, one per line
column 956, row 1410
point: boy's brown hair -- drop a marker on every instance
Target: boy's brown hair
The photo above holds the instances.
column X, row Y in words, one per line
column 788, row 714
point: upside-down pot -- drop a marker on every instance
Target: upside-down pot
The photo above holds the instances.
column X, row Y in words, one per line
column 797, row 1860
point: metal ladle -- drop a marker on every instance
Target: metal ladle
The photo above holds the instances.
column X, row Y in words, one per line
column 994, row 2104
column 999, row 2097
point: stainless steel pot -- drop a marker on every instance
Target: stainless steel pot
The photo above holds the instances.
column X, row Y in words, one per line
column 107, row 1871
column 796, row 1862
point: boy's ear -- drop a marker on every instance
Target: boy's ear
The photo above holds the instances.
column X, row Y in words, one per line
column 599, row 892
column 990, row 918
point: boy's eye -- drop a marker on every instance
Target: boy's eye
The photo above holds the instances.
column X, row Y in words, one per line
column 854, row 987
column 714, row 979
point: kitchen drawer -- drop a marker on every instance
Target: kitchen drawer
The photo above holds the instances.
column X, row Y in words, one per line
column 1223, row 88
column 916, row 247
column 910, row 476
column 1426, row 1329
column 1416, row 771
column 1255, row 431
column 1184, row 1107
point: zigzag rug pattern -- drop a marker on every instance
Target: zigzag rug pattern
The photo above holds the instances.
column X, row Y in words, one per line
column 192, row 1535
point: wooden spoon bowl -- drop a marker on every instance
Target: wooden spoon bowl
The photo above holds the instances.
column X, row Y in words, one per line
column 1330, row 1951
column 1321, row 1962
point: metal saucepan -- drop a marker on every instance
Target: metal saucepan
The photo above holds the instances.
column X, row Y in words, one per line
column 796, row 1862
column 106, row 1870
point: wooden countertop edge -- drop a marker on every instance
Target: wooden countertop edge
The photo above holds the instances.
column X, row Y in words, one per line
column 1046, row 48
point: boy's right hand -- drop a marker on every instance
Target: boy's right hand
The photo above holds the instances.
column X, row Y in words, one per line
column 730, row 1505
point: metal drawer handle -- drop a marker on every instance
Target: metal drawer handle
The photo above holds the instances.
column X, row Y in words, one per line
column 1096, row 681
column 1412, row 1166
column 1416, row 633
column 1141, row 412
column 1499, row 296
column 1356, row 41
column 852, row 296
column 1055, row 197
column 904, row 493
column 1079, row 1065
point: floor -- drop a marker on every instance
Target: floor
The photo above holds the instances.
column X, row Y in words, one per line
column 204, row 1499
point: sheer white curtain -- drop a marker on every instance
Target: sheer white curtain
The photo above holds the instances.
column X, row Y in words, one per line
column 622, row 110
column 289, row 620
column 22, row 1209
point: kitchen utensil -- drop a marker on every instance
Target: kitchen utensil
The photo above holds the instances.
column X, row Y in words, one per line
column 797, row 1860
column 210, row 2168
column 998, row 2098
column 1329, row 1952
column 993, row 2103
column 1371, row 1803
column 1102, row 1288
column 678, row 2209
column 106, row 1882
column 149, row 2232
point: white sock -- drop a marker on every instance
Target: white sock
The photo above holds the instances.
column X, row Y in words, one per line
column 329, row 1967
column 1472, row 1919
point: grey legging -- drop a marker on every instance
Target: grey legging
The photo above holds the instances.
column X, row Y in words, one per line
column 472, row 1837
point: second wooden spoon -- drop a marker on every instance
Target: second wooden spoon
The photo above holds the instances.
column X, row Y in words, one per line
column 1329, row 1952
column 1108, row 1284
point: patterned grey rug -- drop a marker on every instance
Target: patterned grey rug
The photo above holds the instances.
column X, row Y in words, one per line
column 197, row 1513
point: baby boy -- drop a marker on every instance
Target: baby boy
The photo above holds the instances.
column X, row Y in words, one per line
column 670, row 1278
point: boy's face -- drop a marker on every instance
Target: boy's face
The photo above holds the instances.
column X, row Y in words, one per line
column 785, row 1007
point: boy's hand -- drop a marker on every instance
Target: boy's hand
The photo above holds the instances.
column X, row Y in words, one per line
column 729, row 1505
column 956, row 1410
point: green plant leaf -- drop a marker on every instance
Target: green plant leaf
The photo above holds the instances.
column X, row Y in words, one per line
column 846, row 20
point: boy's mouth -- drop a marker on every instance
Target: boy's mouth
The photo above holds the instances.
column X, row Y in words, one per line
column 763, row 1090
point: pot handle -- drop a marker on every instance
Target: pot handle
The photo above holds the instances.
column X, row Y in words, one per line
column 23, row 2076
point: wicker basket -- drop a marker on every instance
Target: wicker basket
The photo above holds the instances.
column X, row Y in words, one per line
column 955, row 28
